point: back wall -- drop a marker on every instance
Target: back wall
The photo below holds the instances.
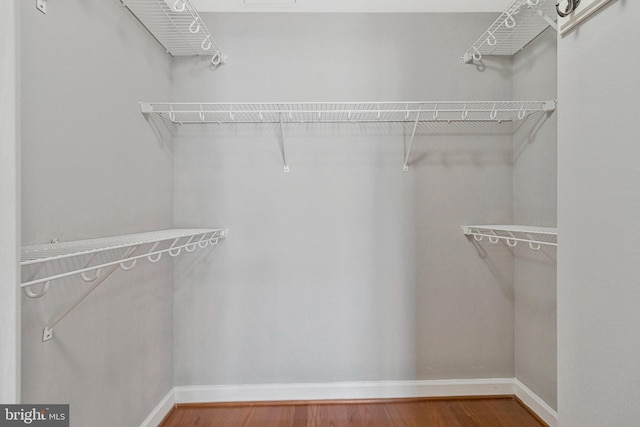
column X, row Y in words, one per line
column 346, row 268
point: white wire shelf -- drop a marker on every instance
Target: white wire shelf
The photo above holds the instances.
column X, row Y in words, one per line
column 177, row 26
column 345, row 112
column 96, row 259
column 535, row 237
column 414, row 112
column 520, row 23
column 188, row 239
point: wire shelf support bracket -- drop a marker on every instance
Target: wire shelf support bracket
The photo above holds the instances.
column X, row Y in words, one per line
column 534, row 237
column 178, row 27
column 284, row 155
column 405, row 167
column 58, row 260
column 520, row 23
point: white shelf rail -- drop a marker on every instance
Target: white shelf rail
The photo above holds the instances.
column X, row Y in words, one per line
column 345, row 112
column 281, row 113
column 535, row 237
column 178, row 27
column 96, row 259
column 520, row 23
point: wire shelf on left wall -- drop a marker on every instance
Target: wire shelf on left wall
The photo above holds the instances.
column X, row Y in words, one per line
column 96, row 259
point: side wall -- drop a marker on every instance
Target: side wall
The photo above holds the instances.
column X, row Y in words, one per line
column 346, row 268
column 599, row 201
column 9, row 209
column 535, row 183
column 93, row 167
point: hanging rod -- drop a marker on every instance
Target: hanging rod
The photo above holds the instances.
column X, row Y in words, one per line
column 61, row 258
column 346, row 112
column 535, row 237
column 520, row 23
column 178, row 27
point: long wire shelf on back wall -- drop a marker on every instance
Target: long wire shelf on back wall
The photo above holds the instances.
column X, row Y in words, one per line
column 281, row 113
column 346, row 112
column 520, row 23
column 177, row 26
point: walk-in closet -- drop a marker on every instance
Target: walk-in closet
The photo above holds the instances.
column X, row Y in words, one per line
column 248, row 201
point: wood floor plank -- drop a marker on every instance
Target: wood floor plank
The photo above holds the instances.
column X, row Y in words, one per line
column 491, row 412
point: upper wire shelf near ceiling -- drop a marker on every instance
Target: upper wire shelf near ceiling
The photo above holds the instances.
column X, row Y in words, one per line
column 178, row 27
column 346, row 112
column 520, row 23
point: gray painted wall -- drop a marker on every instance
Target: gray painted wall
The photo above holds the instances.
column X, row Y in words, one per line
column 346, row 268
column 535, row 183
column 9, row 209
column 93, row 167
column 599, row 201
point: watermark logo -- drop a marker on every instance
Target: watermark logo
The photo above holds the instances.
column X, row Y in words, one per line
column 34, row 415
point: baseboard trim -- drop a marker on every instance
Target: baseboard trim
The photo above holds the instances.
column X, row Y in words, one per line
column 343, row 390
column 535, row 404
column 161, row 410
column 352, row 391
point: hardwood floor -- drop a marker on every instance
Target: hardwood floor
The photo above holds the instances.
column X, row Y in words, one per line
column 473, row 412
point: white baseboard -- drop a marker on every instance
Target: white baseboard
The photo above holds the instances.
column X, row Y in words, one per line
column 351, row 390
column 161, row 410
column 344, row 390
column 537, row 405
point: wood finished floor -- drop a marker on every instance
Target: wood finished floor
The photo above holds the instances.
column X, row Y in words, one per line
column 493, row 412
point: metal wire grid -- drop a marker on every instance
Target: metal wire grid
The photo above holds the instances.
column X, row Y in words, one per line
column 512, row 234
column 56, row 251
column 349, row 112
column 181, row 33
column 80, row 256
column 520, row 23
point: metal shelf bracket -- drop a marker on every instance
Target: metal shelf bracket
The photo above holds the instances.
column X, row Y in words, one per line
column 282, row 147
column 413, row 135
column 47, row 334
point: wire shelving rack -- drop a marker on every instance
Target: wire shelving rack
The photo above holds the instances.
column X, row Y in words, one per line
column 178, row 27
column 345, row 112
column 281, row 113
column 94, row 260
column 520, row 23
column 535, row 237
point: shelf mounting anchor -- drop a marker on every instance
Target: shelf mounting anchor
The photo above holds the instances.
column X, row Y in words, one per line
column 41, row 5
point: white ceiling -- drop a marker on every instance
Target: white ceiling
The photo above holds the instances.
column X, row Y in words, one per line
column 350, row 5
